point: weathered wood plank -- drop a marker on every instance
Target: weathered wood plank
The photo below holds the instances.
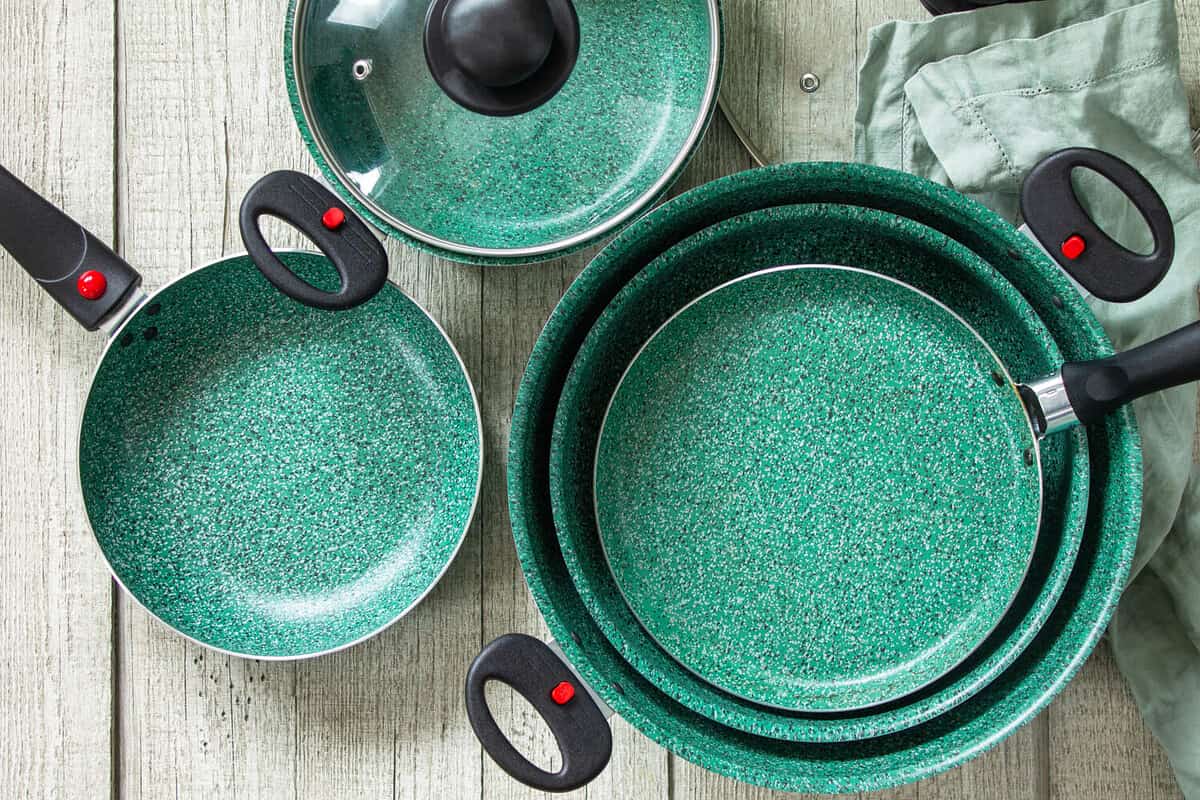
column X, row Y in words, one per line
column 1188, row 13
column 56, row 123
column 1099, row 746
column 200, row 112
column 516, row 303
column 771, row 44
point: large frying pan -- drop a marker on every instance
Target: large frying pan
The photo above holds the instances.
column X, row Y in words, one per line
column 951, row 738
column 747, row 243
column 271, row 478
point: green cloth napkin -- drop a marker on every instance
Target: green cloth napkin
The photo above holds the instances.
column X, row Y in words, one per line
column 974, row 100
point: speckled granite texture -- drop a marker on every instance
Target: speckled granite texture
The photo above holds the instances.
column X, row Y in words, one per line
column 746, row 243
column 526, row 187
column 1015, row 696
column 275, row 480
column 813, row 491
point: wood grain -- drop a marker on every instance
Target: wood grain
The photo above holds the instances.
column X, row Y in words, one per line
column 149, row 119
column 56, row 709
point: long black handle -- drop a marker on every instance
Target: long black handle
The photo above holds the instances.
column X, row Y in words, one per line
column 87, row 278
column 1088, row 254
column 1096, row 388
column 540, row 676
column 938, row 7
column 320, row 215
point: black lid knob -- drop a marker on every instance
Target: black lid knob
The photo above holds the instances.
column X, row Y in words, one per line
column 501, row 57
column 498, row 42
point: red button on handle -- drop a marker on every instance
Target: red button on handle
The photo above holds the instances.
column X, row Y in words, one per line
column 334, row 218
column 92, row 285
column 562, row 693
column 1074, row 246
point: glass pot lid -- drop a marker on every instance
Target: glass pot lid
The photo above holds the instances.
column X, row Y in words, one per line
column 502, row 130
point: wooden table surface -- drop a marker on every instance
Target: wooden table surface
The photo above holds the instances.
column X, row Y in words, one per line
column 148, row 120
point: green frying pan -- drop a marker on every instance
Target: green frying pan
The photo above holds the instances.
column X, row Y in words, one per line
column 1014, row 696
column 269, row 478
column 817, row 488
column 748, row 243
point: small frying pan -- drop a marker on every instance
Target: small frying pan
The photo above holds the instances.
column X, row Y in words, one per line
column 817, row 487
column 271, row 478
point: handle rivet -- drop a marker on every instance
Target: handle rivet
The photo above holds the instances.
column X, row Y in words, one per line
column 362, row 68
column 1074, row 246
column 563, row 693
column 810, row 82
column 92, row 285
column 334, row 218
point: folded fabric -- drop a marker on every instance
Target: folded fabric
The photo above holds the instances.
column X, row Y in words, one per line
column 974, row 101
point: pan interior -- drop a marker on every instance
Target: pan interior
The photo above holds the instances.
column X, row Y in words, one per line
column 275, row 480
column 812, row 491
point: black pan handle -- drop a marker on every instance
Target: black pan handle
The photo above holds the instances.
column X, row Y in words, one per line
column 87, row 278
column 1054, row 214
column 316, row 212
column 939, row 7
column 540, row 676
column 1096, row 388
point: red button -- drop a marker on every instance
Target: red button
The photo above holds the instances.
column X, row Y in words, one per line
column 562, row 693
column 1074, row 246
column 334, row 218
column 92, row 285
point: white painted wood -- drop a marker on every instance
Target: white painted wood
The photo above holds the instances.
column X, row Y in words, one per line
column 200, row 113
column 56, row 121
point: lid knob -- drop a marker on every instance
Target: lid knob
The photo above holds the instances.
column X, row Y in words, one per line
column 498, row 42
column 501, row 57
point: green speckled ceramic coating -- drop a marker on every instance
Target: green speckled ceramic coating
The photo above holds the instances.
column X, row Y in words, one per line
column 520, row 188
column 812, row 492
column 1055, row 653
column 745, row 243
column 274, row 480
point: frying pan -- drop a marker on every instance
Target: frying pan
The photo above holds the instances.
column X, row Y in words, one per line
column 270, row 478
column 963, row 732
column 817, row 486
column 747, row 243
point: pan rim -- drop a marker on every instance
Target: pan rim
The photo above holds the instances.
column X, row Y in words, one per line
column 114, row 336
column 1009, row 382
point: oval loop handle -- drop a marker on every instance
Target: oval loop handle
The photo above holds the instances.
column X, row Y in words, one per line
column 1088, row 254
column 531, row 668
column 320, row 215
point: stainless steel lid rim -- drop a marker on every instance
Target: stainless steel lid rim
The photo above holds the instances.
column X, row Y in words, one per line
column 465, row 252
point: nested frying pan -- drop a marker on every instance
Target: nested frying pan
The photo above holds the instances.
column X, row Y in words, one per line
column 818, row 488
column 271, row 478
column 1058, row 648
column 748, row 243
